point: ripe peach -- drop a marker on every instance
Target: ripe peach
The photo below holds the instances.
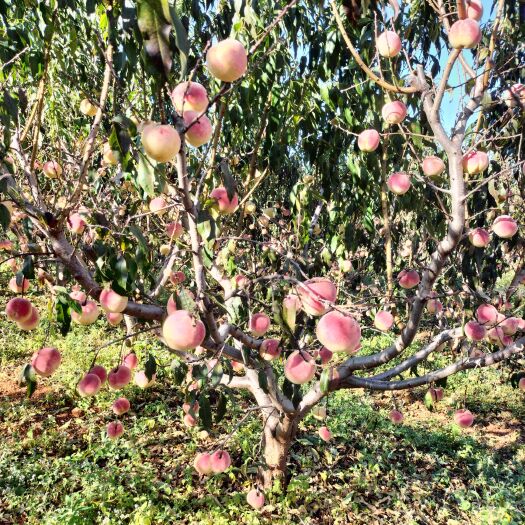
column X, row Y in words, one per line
column 495, row 335
column 464, row 418
column 30, row 323
column 325, row 355
column 396, row 417
column 399, row 183
column 114, row 429
column 432, row 166
column 174, row 230
column 259, row 324
column 202, row 463
column 479, row 237
column 436, row 394
column 52, row 169
column 474, row 9
column 130, row 360
column 220, row 461
column 190, row 96
column 112, row 302
column 504, row 226
column 464, row 34
column 383, row 320
column 224, row 204
column 76, row 223
column 408, row 278
column 240, row 281
column 142, row 381
column 237, row 367
column 177, row 277
column 394, row 112
column 89, row 315
column 314, row 292
column 325, row 434
column 89, row 385
column 45, row 361
column 510, row 325
column 255, row 499
column 78, row 295
column 475, row 331
column 388, row 44
column 99, row 371
column 161, row 142
column 434, row 306
column 487, row 314
column 299, row 367
column 119, row 377
column 15, row 288
column 182, row 331
column 339, row 332
column 515, row 96
column 199, row 133
column 6, row 245
column 227, row 60
column 270, row 349
column 368, row 140
column 158, row 205
column 475, row 162
column 19, row 309
column 86, row 107
column 114, row 318
column 108, row 155
column 120, row 406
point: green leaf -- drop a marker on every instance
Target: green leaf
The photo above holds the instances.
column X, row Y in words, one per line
column 150, row 367
column 146, row 175
column 324, row 381
column 181, row 40
column 5, row 217
column 121, row 271
column 229, row 181
column 28, row 378
column 28, row 268
column 63, row 315
column 220, row 411
column 206, row 225
column 179, row 371
column 137, row 232
column 205, row 411
column 429, row 402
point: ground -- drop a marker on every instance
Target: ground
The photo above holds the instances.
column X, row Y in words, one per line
column 57, row 466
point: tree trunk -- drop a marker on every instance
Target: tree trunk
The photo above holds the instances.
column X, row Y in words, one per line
column 277, row 440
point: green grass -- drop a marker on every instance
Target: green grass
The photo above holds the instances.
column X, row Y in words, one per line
column 57, row 466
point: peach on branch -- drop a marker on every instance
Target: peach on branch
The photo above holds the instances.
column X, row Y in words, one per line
column 165, row 249
column 325, row 355
column 474, row 9
column 114, row 318
column 464, row 418
column 408, row 278
column 479, row 237
column 16, row 288
column 313, row 294
column 177, row 277
column 202, row 463
column 19, row 309
column 432, row 166
column 158, row 205
column 434, row 306
column 130, row 360
column 190, row 96
column 220, row 461
column 52, row 169
column 78, row 295
column 399, row 182
column 174, row 230
column 108, row 155
column 142, row 380
column 119, row 377
column 383, row 320
column 46, row 360
column 89, row 315
column 114, row 429
column 509, row 325
column 255, row 498
column 339, row 332
column 161, row 141
column 87, row 108
column 464, row 34
column 325, row 434
column 388, row 44
column 394, row 112
column 227, row 60
column 270, row 349
column 259, row 324
column 224, row 203
column 182, row 331
column 120, row 406
column 99, row 371
column 111, row 301
column 396, row 416
column 475, row 331
column 200, row 132
column 487, row 314
column 32, row 322
column 76, row 223
column 299, row 368
column 515, row 96
column 368, row 140
column 504, row 226
column 89, row 385
column 495, row 335
column 475, row 162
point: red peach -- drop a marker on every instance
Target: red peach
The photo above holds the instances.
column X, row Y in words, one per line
column 177, row 277
column 237, row 367
column 475, row 162
column 76, row 223
column 255, row 499
column 475, row 331
column 474, row 9
column 189, row 421
column 19, row 309
column 270, row 349
column 45, row 361
column 190, row 96
column 120, row 406
column 227, row 60
column 158, row 205
column 388, row 44
column 368, row 140
column 509, row 325
column 464, row 418
column 174, row 230
column 396, row 417
column 119, row 377
column 259, row 324
column 52, row 169
column 202, row 463
column 339, row 332
column 130, row 360
column 394, row 112
column 182, row 331
column 434, row 306
column 314, row 292
column 15, row 288
column 408, row 278
column 199, row 133
column 487, row 314
column 325, row 434
column 220, row 461
column 99, row 371
column 325, row 355
column 89, row 385
column 142, row 380
column 78, row 295
column 114, row 429
column 479, row 237
column 433, row 166
column 299, row 367
column 225, row 205
column 383, row 320
column 114, row 318
column 505, row 226
column 112, row 302
column 161, row 142
column 399, row 183
column 89, row 315
column 32, row 322
column 464, row 34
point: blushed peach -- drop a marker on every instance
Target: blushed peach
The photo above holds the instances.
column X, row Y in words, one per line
column 114, row 430
column 227, row 60
column 114, row 318
column 255, row 498
column 200, row 132
column 182, row 331
column 161, row 142
column 32, row 322
column 394, row 112
column 474, row 9
column 475, row 331
column 396, row 416
column 313, row 294
column 299, row 368
column 383, row 320
column 259, row 324
column 120, row 406
column 368, row 140
column 475, row 162
column 515, row 96
column 487, row 314
column 158, row 205
column 99, row 371
column 19, row 309
column 224, row 203
column 89, row 385
column 479, row 237
column 339, row 332
column 388, row 44
column 325, row 434
column 142, row 380
column 22, row 288
column 325, row 355
column 220, row 461
column 46, row 360
column 504, row 226
column 119, row 377
column 190, row 96
column 52, row 169
column 270, row 349
column 399, row 182
column 130, row 360
column 408, row 278
column 510, row 325
column 76, row 223
column 432, row 166
column 434, row 306
column 174, row 230
column 464, row 34
column 464, row 418
column 202, row 463
column 89, row 315
column 111, row 301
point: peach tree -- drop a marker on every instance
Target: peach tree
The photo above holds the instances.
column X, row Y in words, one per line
column 260, row 195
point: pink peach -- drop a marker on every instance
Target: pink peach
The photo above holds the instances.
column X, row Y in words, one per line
column 225, row 205
column 259, row 324
column 394, row 112
column 114, row 429
column 433, row 166
column 464, row 34
column 45, row 361
column 89, row 385
column 368, row 140
column 270, row 349
column 190, row 96
column 111, row 301
column 120, row 406
column 119, row 377
column 505, row 226
column 182, row 331
column 299, row 368
column 399, row 183
column 464, row 418
column 339, row 332
column 200, row 132
column 383, row 320
column 388, row 44
column 475, row 331
column 475, row 162
column 314, row 292
column 408, row 278
column 479, row 237
column 227, row 60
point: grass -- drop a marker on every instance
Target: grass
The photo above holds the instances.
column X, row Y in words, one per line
column 57, row 466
